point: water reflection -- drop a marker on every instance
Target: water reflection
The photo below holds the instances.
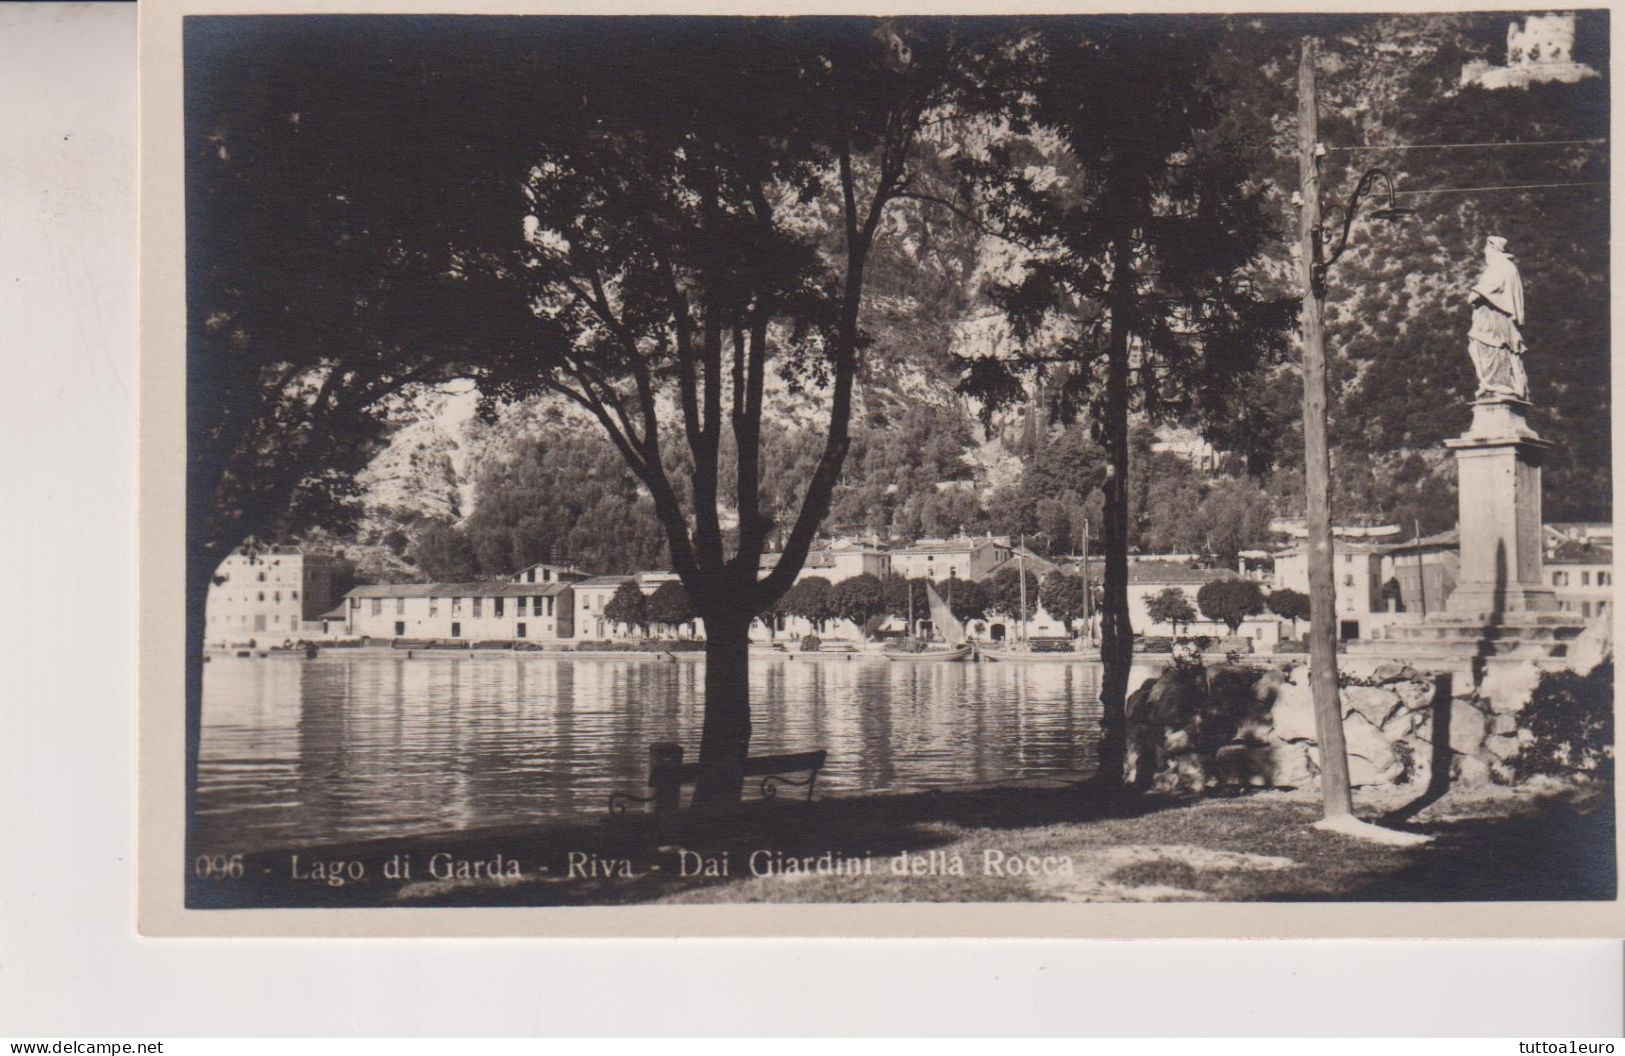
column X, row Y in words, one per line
column 347, row 747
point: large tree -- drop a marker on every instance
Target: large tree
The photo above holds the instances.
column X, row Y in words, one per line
column 314, row 280
column 701, row 216
column 1141, row 288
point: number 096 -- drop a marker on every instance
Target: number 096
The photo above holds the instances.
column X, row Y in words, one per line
column 218, row 867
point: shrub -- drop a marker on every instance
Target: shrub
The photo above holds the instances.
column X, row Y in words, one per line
column 811, row 643
column 1572, row 718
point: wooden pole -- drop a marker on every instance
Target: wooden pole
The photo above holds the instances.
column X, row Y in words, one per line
column 1421, row 572
column 1334, row 763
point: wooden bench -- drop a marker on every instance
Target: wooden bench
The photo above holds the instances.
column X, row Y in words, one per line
column 668, row 774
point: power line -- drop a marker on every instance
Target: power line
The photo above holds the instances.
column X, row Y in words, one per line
column 1505, row 187
column 1461, row 146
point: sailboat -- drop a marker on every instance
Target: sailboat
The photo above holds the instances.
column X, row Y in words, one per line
column 942, row 618
column 1020, row 650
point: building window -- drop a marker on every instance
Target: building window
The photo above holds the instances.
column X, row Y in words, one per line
column 1560, row 579
column 1585, row 578
column 400, row 606
column 456, row 629
column 519, row 630
column 293, row 595
column 262, row 577
column 377, row 606
column 355, row 603
column 277, row 597
column 530, row 577
column 1603, row 579
column 519, row 605
column 550, row 604
column 456, row 606
column 1348, row 581
column 434, row 606
column 400, row 628
column 536, row 605
column 477, row 605
column 496, row 606
column 1585, row 608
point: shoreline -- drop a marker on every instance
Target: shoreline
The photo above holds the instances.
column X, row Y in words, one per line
column 698, row 655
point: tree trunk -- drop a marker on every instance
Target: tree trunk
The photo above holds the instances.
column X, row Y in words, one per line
column 725, row 734
column 1116, row 634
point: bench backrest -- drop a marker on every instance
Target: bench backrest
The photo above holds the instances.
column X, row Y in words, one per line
column 759, row 766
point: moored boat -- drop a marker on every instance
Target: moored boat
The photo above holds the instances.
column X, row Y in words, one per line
column 928, row 655
column 1022, row 656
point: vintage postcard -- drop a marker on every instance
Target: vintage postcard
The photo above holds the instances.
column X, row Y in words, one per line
column 1106, row 472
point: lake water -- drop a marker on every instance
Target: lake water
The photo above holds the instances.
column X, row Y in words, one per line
column 346, row 747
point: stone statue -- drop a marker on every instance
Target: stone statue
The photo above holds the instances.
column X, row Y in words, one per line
column 1494, row 342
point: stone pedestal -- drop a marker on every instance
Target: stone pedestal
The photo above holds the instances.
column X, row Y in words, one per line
column 1498, row 464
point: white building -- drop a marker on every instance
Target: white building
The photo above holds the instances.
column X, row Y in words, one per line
column 960, row 558
column 474, row 612
column 592, row 595
column 1358, row 568
column 268, row 596
column 1582, row 575
column 541, row 572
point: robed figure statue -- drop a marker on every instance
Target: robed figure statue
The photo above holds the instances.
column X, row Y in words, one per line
column 1494, row 342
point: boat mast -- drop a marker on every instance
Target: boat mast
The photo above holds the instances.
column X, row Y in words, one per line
column 1021, row 580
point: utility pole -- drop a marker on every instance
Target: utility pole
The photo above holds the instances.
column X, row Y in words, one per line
column 1421, row 572
column 1334, row 763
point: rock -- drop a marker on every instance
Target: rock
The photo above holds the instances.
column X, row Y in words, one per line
column 1503, row 748
column 1469, row 772
column 1403, row 724
column 1415, row 694
column 1277, row 766
column 1504, row 724
column 1293, row 716
column 1392, row 671
column 1373, row 703
column 1174, row 696
column 1182, row 774
column 1292, row 766
column 1468, row 725
column 1268, row 684
column 1254, row 731
column 1372, row 759
column 1176, row 740
column 1508, row 686
column 1593, row 646
column 1134, row 707
column 1239, row 765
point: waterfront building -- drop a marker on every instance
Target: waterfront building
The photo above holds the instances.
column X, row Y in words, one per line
column 592, row 595
column 1148, row 577
column 1425, row 569
column 1358, row 566
column 474, row 612
column 845, row 559
column 1581, row 574
column 542, row 572
column 268, row 596
column 959, row 558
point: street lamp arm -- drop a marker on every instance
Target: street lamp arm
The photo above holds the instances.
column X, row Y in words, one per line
column 1326, row 236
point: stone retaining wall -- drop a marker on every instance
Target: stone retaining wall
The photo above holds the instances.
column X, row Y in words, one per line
column 1194, row 727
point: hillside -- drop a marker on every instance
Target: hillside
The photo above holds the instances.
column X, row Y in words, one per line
column 542, row 483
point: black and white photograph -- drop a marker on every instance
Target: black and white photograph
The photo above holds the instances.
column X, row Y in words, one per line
column 956, row 463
